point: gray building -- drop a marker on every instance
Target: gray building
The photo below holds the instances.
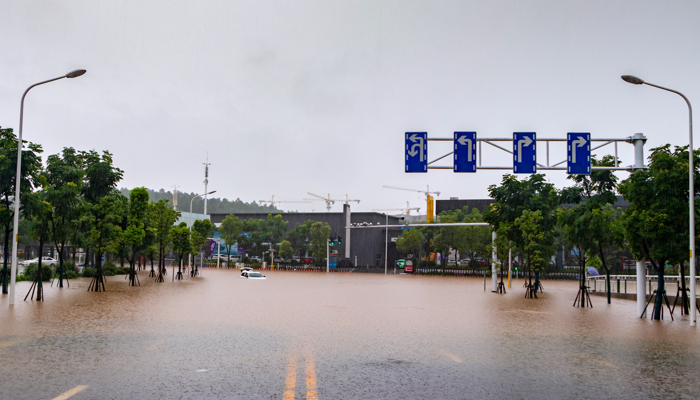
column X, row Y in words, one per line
column 368, row 245
column 483, row 204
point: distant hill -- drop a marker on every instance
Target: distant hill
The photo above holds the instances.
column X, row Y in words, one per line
column 214, row 205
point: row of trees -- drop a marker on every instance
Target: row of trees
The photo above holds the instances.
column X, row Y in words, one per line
column 533, row 218
column 251, row 234
column 214, row 205
column 73, row 200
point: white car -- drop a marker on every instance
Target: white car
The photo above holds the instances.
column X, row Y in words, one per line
column 255, row 275
column 245, row 270
column 255, row 259
column 44, row 261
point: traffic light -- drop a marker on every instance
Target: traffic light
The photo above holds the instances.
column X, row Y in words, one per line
column 340, row 241
column 332, row 243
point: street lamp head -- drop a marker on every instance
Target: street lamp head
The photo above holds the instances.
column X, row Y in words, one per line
column 76, row 73
column 212, row 192
column 632, row 79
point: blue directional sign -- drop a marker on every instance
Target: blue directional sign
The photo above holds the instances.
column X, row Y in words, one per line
column 465, row 152
column 524, row 152
column 579, row 153
column 416, row 151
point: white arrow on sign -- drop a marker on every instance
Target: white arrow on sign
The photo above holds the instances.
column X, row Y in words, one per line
column 464, row 141
column 526, row 141
column 580, row 142
column 413, row 152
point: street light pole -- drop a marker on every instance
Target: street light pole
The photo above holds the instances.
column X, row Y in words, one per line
column 691, row 190
column 189, row 222
column 386, row 245
column 13, row 269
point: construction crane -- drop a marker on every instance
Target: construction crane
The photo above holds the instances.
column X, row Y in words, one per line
column 406, row 210
column 428, row 197
column 330, row 201
column 272, row 201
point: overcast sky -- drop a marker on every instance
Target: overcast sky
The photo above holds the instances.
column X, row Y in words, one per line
column 290, row 97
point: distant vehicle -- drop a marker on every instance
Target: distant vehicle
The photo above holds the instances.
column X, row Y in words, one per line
column 307, row 260
column 296, row 258
column 278, row 260
column 44, row 261
column 408, row 267
column 255, row 275
column 255, row 259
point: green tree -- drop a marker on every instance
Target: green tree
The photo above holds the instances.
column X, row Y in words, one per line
column 230, row 230
column 105, row 218
column 474, row 240
column 320, row 233
column 590, row 225
column 182, row 244
column 38, row 210
column 300, row 237
column 162, row 217
column 286, row 250
column 512, row 198
column 656, row 222
column 135, row 233
column 201, row 231
column 31, row 166
column 530, row 224
column 410, row 242
column 64, row 180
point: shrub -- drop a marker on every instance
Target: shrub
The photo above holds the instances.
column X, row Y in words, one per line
column 109, row 269
column 70, row 274
column 122, row 270
column 31, row 270
column 88, row 272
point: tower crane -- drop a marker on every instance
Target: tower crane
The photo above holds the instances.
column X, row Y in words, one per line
column 406, row 210
column 272, row 201
column 428, row 196
column 330, row 201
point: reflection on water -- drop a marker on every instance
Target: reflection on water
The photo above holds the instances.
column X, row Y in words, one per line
column 368, row 336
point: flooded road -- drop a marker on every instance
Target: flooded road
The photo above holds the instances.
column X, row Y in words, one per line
column 337, row 336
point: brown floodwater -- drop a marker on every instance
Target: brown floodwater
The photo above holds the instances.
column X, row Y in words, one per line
column 309, row 335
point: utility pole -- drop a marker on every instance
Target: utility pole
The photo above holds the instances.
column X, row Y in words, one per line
column 175, row 197
column 206, row 182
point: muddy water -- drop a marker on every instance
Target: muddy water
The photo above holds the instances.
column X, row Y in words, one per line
column 337, row 336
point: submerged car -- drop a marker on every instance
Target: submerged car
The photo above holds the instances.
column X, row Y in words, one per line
column 44, row 261
column 255, row 275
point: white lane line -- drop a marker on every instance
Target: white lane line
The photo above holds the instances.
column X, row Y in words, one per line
column 451, row 356
column 71, row 393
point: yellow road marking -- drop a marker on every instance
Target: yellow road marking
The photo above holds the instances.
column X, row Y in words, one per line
column 595, row 360
column 291, row 381
column 311, row 392
column 11, row 342
column 71, row 392
column 451, row 356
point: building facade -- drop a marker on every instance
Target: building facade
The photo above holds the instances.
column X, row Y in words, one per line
column 367, row 245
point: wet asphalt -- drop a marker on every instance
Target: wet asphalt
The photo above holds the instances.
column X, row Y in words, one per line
column 310, row 335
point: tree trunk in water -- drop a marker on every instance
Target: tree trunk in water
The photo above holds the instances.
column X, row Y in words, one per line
column 60, row 266
column 684, row 295
column 658, row 302
column 4, row 265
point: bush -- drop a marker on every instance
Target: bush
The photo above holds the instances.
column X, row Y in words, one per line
column 109, row 269
column 70, row 274
column 88, row 272
column 122, row 270
column 31, row 270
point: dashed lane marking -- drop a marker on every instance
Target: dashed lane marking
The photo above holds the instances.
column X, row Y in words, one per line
column 71, row 393
column 12, row 342
column 290, row 382
column 451, row 356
